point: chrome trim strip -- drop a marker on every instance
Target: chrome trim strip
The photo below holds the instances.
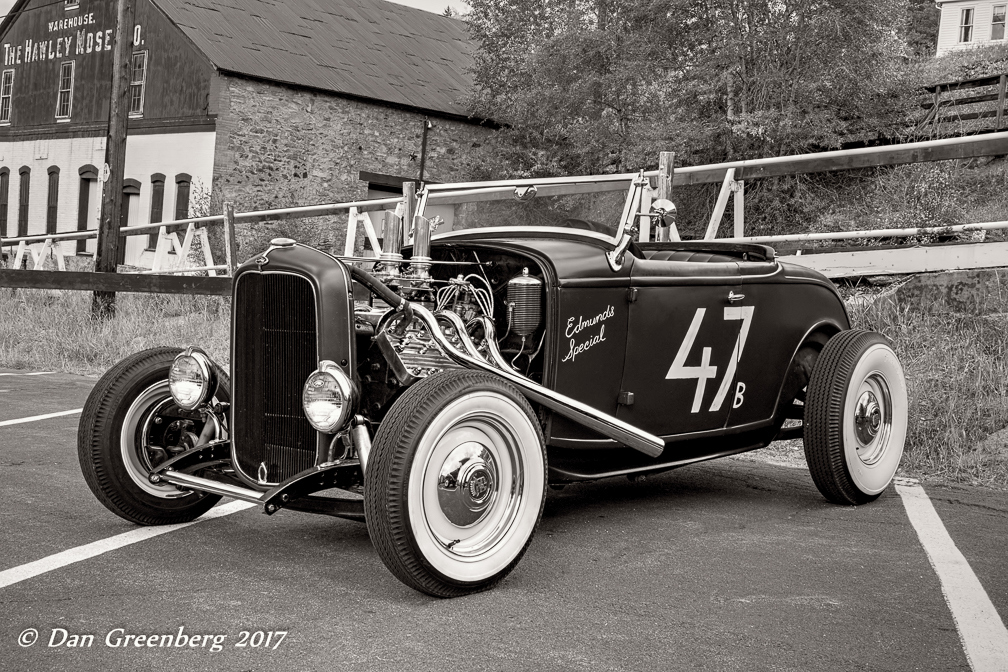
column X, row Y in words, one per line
column 604, row 424
column 449, row 235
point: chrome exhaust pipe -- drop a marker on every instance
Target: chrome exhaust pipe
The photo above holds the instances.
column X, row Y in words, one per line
column 603, row 423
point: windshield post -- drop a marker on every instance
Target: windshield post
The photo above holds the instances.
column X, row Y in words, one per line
column 629, row 222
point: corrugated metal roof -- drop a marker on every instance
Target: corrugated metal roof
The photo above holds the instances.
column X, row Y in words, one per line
column 363, row 48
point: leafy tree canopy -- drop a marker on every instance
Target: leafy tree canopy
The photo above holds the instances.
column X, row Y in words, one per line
column 588, row 86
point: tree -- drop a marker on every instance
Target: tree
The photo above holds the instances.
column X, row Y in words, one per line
column 589, row 86
column 922, row 28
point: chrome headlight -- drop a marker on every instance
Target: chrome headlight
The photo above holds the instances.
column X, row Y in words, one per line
column 192, row 379
column 328, row 398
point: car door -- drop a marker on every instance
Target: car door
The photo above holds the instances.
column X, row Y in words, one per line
column 780, row 315
column 679, row 372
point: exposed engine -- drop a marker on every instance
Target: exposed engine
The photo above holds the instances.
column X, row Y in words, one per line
column 489, row 306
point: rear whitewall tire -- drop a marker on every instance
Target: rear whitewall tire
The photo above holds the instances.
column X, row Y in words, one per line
column 873, row 463
column 856, row 412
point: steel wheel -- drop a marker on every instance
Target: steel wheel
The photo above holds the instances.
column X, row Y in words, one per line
column 455, row 483
column 139, row 447
column 855, row 417
column 129, row 425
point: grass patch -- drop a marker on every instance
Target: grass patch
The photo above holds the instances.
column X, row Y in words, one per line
column 54, row 331
column 957, row 380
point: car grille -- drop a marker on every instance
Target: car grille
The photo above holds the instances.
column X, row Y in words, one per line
column 274, row 352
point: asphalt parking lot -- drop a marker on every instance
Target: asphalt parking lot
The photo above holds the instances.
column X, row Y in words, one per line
column 728, row 565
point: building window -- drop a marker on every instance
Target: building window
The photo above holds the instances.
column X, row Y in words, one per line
column 71, row 4
column 156, row 207
column 4, row 188
column 25, row 173
column 137, row 78
column 52, row 206
column 966, row 25
column 128, row 215
column 182, row 182
column 88, row 176
column 6, row 89
column 998, row 23
column 65, row 98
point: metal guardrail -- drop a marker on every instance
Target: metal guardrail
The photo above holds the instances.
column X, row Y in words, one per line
column 729, row 174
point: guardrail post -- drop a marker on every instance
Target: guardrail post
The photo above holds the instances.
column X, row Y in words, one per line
column 351, row 233
column 738, row 186
column 207, row 254
column 666, row 172
column 409, row 209
column 230, row 248
column 19, row 256
column 721, row 205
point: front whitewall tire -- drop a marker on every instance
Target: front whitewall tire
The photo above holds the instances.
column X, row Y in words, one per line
column 456, row 483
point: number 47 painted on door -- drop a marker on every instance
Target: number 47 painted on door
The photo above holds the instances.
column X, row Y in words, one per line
column 679, row 370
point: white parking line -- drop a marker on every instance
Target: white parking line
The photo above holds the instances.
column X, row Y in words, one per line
column 983, row 634
column 30, row 373
column 15, row 574
column 35, row 418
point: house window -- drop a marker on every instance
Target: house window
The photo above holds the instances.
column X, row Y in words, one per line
column 966, row 25
column 65, row 98
column 4, row 188
column 25, row 173
column 182, row 182
column 6, row 89
column 156, row 207
column 137, row 78
column 998, row 23
column 52, row 206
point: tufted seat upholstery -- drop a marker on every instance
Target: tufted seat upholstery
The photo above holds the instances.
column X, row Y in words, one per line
column 687, row 255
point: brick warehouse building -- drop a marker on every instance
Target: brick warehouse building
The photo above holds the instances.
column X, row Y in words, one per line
column 265, row 104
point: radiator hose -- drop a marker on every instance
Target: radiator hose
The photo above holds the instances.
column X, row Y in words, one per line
column 377, row 287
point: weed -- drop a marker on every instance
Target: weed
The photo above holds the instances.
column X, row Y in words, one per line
column 54, row 331
column 957, row 381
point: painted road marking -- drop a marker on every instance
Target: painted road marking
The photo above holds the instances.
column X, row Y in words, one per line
column 30, row 373
column 983, row 633
column 35, row 418
column 15, row 574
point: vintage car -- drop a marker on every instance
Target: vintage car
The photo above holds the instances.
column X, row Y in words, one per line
column 435, row 390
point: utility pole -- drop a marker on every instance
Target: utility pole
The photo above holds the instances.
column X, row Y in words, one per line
column 427, row 125
column 107, row 253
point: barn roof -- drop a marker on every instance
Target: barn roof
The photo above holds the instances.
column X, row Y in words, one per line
column 363, row 48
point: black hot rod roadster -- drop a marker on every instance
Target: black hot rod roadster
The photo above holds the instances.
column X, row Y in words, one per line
column 435, row 389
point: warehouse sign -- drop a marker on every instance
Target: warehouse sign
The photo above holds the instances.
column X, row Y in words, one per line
column 79, row 43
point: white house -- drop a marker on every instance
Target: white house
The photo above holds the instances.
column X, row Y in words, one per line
column 970, row 23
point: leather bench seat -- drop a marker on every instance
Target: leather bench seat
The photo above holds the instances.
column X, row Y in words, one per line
column 687, row 255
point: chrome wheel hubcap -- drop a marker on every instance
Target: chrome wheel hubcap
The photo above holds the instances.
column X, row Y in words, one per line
column 873, row 418
column 467, row 484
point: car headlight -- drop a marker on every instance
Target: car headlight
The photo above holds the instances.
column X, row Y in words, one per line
column 192, row 379
column 328, row 398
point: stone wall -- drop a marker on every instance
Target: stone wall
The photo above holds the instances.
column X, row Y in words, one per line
column 279, row 146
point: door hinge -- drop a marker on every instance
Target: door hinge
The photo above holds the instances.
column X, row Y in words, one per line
column 626, row 399
column 631, row 294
